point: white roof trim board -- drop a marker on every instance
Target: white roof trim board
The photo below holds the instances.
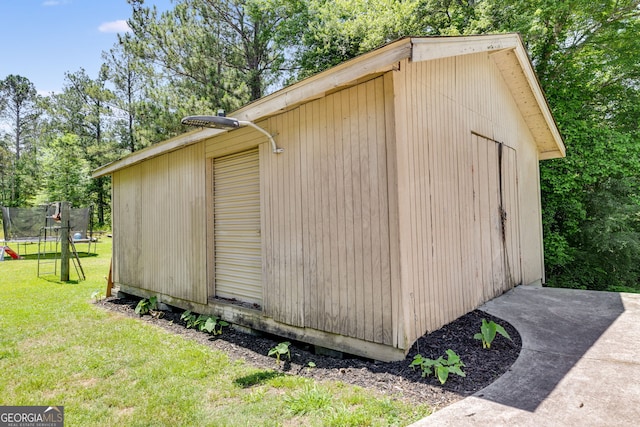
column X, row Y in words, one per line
column 507, row 50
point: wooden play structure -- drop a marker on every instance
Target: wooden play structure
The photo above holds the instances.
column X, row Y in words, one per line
column 45, row 226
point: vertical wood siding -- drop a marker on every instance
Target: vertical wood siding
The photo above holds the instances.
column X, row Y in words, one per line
column 159, row 225
column 326, row 216
column 511, row 228
column 456, row 186
column 127, row 230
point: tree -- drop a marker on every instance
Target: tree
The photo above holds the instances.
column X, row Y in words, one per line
column 127, row 75
column 340, row 30
column 83, row 109
column 20, row 99
column 214, row 53
column 254, row 37
column 66, row 173
column 6, row 171
column 21, row 112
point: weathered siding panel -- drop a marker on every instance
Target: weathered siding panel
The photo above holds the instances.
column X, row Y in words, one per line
column 383, row 321
column 326, row 220
column 511, row 202
column 498, row 213
column 188, row 224
column 154, row 181
column 391, row 154
column 532, row 257
column 159, row 223
column 453, row 250
column 127, row 235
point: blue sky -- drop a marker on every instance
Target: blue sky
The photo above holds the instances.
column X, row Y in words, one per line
column 43, row 39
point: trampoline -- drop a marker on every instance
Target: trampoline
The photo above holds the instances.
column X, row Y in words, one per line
column 24, row 226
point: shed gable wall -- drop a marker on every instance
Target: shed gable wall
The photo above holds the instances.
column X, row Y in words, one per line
column 446, row 249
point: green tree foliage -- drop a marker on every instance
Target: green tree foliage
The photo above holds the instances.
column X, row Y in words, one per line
column 84, row 108
column 211, row 53
column 127, row 74
column 65, row 171
column 338, row 30
column 342, row 29
column 586, row 56
column 20, row 113
column 6, row 169
column 20, row 110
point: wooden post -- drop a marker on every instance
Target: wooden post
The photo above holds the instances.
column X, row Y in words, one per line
column 109, row 280
column 64, row 241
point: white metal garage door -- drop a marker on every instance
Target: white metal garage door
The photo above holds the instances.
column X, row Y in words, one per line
column 238, row 257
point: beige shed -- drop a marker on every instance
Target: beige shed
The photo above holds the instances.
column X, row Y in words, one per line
column 407, row 195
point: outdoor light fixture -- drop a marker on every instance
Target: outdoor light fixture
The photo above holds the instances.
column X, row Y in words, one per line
column 221, row 122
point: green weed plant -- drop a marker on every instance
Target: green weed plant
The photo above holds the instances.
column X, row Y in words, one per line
column 203, row 323
column 146, row 306
column 280, row 350
column 441, row 367
column 488, row 331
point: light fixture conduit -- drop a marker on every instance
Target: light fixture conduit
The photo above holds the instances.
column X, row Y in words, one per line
column 221, row 122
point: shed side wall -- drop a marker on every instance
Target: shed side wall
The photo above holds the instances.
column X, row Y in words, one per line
column 325, row 223
column 341, row 249
column 159, row 225
column 447, row 252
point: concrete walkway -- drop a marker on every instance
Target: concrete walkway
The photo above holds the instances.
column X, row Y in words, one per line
column 579, row 364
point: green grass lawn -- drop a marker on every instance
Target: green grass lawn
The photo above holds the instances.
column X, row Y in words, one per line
column 58, row 348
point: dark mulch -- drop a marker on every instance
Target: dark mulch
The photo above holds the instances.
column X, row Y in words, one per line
column 395, row 379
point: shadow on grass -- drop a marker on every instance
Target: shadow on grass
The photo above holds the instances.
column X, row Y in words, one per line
column 256, row 378
column 52, row 279
column 51, row 256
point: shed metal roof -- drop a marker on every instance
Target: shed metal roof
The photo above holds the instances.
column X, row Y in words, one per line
column 507, row 50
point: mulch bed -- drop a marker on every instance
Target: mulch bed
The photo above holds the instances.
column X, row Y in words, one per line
column 394, row 379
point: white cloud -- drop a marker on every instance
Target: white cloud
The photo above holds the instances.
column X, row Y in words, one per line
column 54, row 2
column 119, row 26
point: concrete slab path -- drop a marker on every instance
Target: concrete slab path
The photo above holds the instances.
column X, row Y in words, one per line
column 579, row 364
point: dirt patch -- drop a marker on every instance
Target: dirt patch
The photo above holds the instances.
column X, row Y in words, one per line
column 394, row 379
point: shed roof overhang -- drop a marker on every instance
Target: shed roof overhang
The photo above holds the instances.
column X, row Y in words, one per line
column 507, row 50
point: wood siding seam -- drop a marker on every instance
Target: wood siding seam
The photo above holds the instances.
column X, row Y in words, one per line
column 396, row 321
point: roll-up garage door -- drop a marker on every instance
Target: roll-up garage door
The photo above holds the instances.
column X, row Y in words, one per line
column 238, row 257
